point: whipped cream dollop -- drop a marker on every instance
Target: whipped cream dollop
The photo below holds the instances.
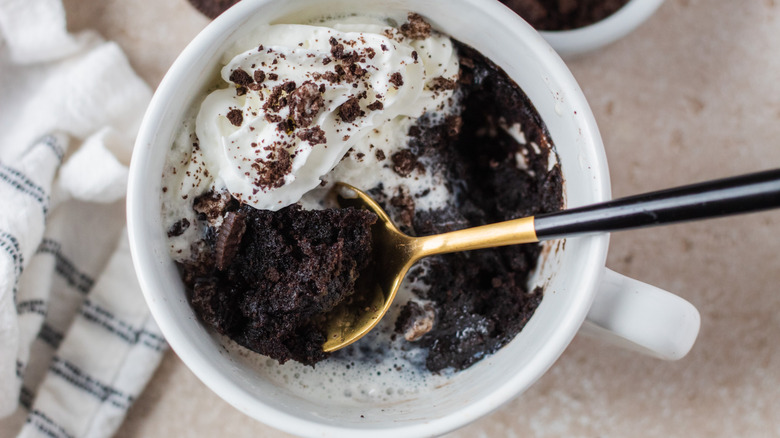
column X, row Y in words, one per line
column 299, row 100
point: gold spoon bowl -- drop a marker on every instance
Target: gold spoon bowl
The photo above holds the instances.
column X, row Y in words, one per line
column 393, row 253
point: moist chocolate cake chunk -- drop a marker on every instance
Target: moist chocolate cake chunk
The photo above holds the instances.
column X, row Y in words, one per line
column 481, row 297
column 564, row 14
column 266, row 278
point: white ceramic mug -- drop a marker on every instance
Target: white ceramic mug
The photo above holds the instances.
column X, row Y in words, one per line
column 577, row 284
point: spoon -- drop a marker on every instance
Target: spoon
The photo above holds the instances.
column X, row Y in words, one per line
column 395, row 252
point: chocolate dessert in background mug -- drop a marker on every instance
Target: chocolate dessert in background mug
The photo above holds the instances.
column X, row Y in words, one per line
column 563, row 14
column 541, row 14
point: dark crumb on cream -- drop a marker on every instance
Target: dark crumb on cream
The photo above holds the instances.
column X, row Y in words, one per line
column 396, row 79
column 313, row 135
column 350, row 110
column 271, row 173
column 442, row 83
column 416, row 28
column 375, row 106
column 305, row 103
column 235, row 116
column 240, row 77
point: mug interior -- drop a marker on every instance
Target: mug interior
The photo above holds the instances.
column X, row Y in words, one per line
column 569, row 272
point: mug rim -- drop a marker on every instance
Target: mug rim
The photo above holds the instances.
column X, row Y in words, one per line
column 239, row 397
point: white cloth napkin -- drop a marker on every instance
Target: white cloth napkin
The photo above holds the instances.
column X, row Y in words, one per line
column 77, row 342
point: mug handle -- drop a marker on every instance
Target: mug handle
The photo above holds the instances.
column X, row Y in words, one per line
column 641, row 317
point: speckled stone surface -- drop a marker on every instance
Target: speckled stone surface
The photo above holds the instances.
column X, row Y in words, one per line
column 691, row 95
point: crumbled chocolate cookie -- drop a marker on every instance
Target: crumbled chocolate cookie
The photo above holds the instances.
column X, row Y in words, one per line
column 235, row 116
column 305, row 103
column 442, row 83
column 228, row 238
column 273, row 118
column 350, row 110
column 286, row 125
column 403, row 203
column 240, row 77
column 278, row 97
column 313, row 135
column 453, row 124
column 336, row 48
column 211, row 206
column 288, row 86
column 375, row 106
column 271, row 173
column 416, row 28
column 396, row 79
column 179, row 227
column 405, row 162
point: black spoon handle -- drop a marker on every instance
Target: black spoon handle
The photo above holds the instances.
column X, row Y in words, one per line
column 739, row 194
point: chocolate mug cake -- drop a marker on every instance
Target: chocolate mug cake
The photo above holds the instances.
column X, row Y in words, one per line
column 433, row 130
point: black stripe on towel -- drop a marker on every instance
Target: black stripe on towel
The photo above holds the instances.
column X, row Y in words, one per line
column 26, row 398
column 25, row 185
column 54, row 145
column 121, row 329
column 153, row 341
column 65, row 268
column 10, row 245
column 83, row 381
column 46, row 425
column 31, row 306
column 50, row 336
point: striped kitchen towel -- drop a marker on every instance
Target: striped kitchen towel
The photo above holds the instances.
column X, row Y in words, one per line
column 77, row 342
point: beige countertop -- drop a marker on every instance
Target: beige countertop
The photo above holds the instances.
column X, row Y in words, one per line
column 693, row 94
